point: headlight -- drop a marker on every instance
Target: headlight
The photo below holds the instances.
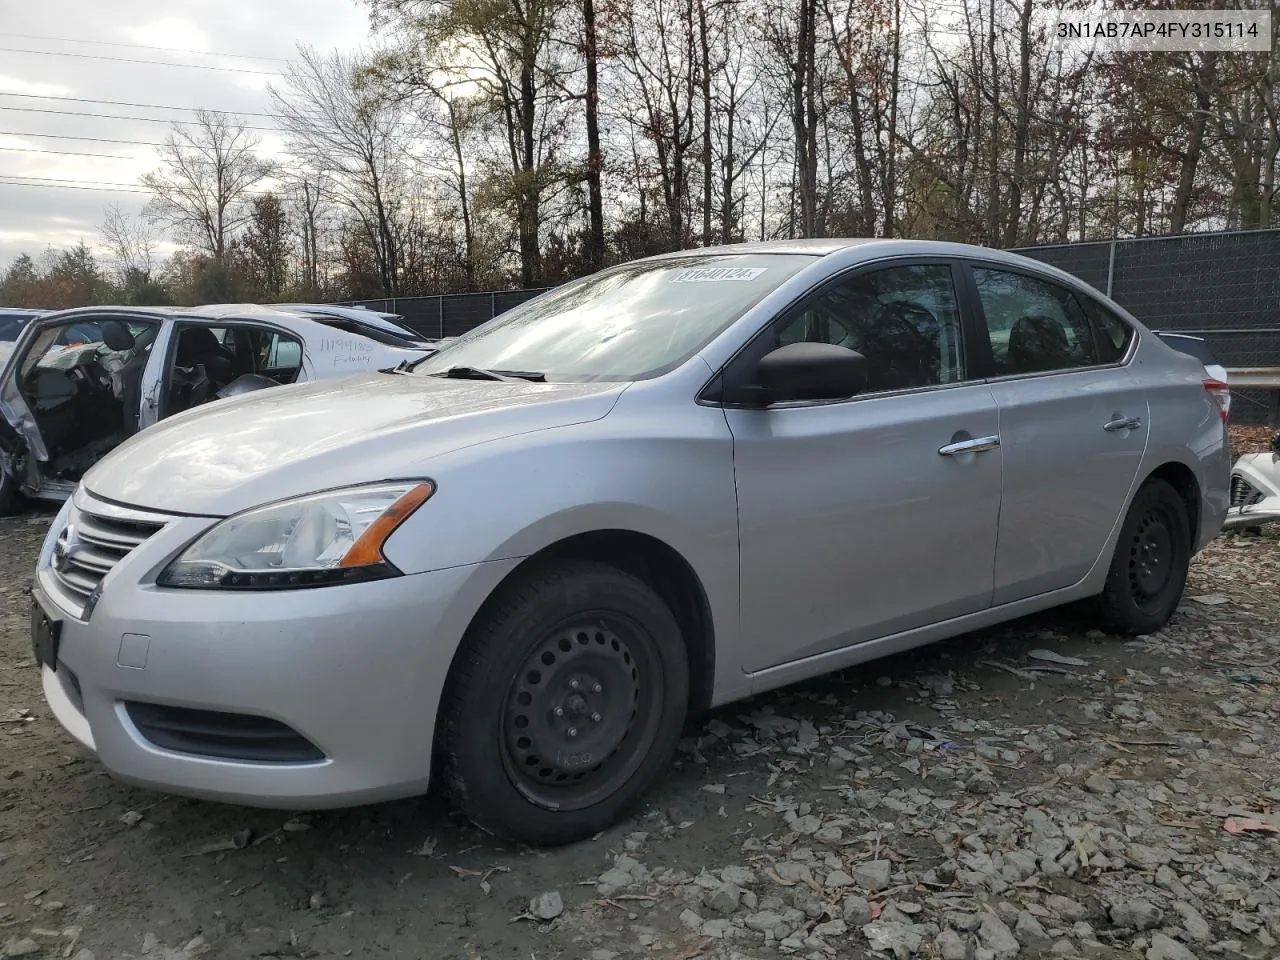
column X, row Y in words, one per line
column 322, row 539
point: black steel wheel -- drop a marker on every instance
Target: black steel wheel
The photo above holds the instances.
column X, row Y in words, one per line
column 579, row 713
column 1151, row 554
column 1149, row 568
column 564, row 704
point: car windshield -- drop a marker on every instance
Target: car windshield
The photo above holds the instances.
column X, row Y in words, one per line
column 628, row 323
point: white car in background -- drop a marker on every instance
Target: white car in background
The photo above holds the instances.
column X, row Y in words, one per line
column 1255, row 489
column 82, row 381
column 388, row 328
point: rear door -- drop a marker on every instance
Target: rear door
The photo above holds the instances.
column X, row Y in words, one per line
column 1073, row 428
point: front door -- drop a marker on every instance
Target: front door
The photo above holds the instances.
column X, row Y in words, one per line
column 1072, row 428
column 866, row 517
column 71, row 392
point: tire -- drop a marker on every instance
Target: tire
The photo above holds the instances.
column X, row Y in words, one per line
column 11, row 499
column 1149, row 568
column 600, row 646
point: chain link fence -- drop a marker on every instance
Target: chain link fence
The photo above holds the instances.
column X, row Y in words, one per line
column 450, row 314
column 1224, row 287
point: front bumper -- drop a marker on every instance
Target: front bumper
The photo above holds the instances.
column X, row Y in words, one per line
column 1255, row 491
column 355, row 670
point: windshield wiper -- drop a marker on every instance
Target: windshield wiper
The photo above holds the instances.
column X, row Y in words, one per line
column 406, row 365
column 479, row 373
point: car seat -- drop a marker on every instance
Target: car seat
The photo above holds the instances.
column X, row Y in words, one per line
column 1038, row 342
column 197, row 346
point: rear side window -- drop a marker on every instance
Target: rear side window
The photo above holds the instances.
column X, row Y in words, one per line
column 1114, row 335
column 1034, row 326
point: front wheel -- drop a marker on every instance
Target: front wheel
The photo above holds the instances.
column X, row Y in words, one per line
column 1149, row 568
column 564, row 703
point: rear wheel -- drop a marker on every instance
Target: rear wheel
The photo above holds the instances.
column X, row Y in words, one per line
column 11, row 499
column 1149, row 568
column 564, row 704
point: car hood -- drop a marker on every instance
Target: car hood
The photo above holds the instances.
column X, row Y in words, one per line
column 272, row 444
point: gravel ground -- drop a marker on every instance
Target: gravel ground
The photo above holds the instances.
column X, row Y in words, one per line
column 1036, row 790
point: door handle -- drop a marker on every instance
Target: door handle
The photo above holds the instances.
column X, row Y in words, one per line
column 1123, row 423
column 976, row 445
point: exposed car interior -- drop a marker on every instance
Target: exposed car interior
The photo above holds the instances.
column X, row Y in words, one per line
column 207, row 361
column 83, row 387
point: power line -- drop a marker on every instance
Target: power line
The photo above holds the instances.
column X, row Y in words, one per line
column 64, row 186
column 69, row 153
column 72, row 136
column 99, row 183
column 143, row 46
column 11, row 180
column 111, row 116
column 154, row 63
column 145, row 106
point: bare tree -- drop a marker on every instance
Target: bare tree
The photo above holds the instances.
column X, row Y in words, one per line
column 307, row 200
column 208, row 170
column 131, row 244
column 659, row 47
column 505, row 49
column 356, row 134
column 796, row 52
column 595, row 156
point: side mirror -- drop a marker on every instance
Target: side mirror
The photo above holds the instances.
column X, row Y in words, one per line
column 811, row 371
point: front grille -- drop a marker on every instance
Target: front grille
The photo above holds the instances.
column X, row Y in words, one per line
column 226, row 736
column 1243, row 493
column 94, row 542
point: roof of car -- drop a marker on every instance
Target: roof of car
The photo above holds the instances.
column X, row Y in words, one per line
column 216, row 311
column 337, row 310
column 822, row 247
column 872, row 248
column 811, row 247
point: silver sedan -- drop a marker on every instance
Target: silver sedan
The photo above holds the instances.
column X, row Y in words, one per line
column 522, row 561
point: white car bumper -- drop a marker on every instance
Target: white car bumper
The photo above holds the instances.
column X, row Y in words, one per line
column 1255, row 491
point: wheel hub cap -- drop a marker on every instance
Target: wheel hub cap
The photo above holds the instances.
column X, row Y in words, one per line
column 1151, row 556
column 571, row 706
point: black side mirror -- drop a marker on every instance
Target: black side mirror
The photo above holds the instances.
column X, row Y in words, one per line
column 811, row 371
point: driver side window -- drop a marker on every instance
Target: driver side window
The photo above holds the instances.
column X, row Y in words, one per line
column 904, row 320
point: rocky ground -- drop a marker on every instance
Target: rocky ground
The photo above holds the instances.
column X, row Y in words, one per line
column 1037, row 790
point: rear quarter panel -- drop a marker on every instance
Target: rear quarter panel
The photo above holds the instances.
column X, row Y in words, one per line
column 1185, row 427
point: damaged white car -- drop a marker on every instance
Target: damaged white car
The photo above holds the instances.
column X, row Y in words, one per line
column 79, row 382
column 1255, row 489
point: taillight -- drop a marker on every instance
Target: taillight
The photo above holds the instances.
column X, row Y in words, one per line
column 1221, row 393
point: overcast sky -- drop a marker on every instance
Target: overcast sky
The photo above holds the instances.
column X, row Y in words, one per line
column 225, row 34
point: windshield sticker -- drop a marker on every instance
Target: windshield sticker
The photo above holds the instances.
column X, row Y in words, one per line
column 716, row 274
